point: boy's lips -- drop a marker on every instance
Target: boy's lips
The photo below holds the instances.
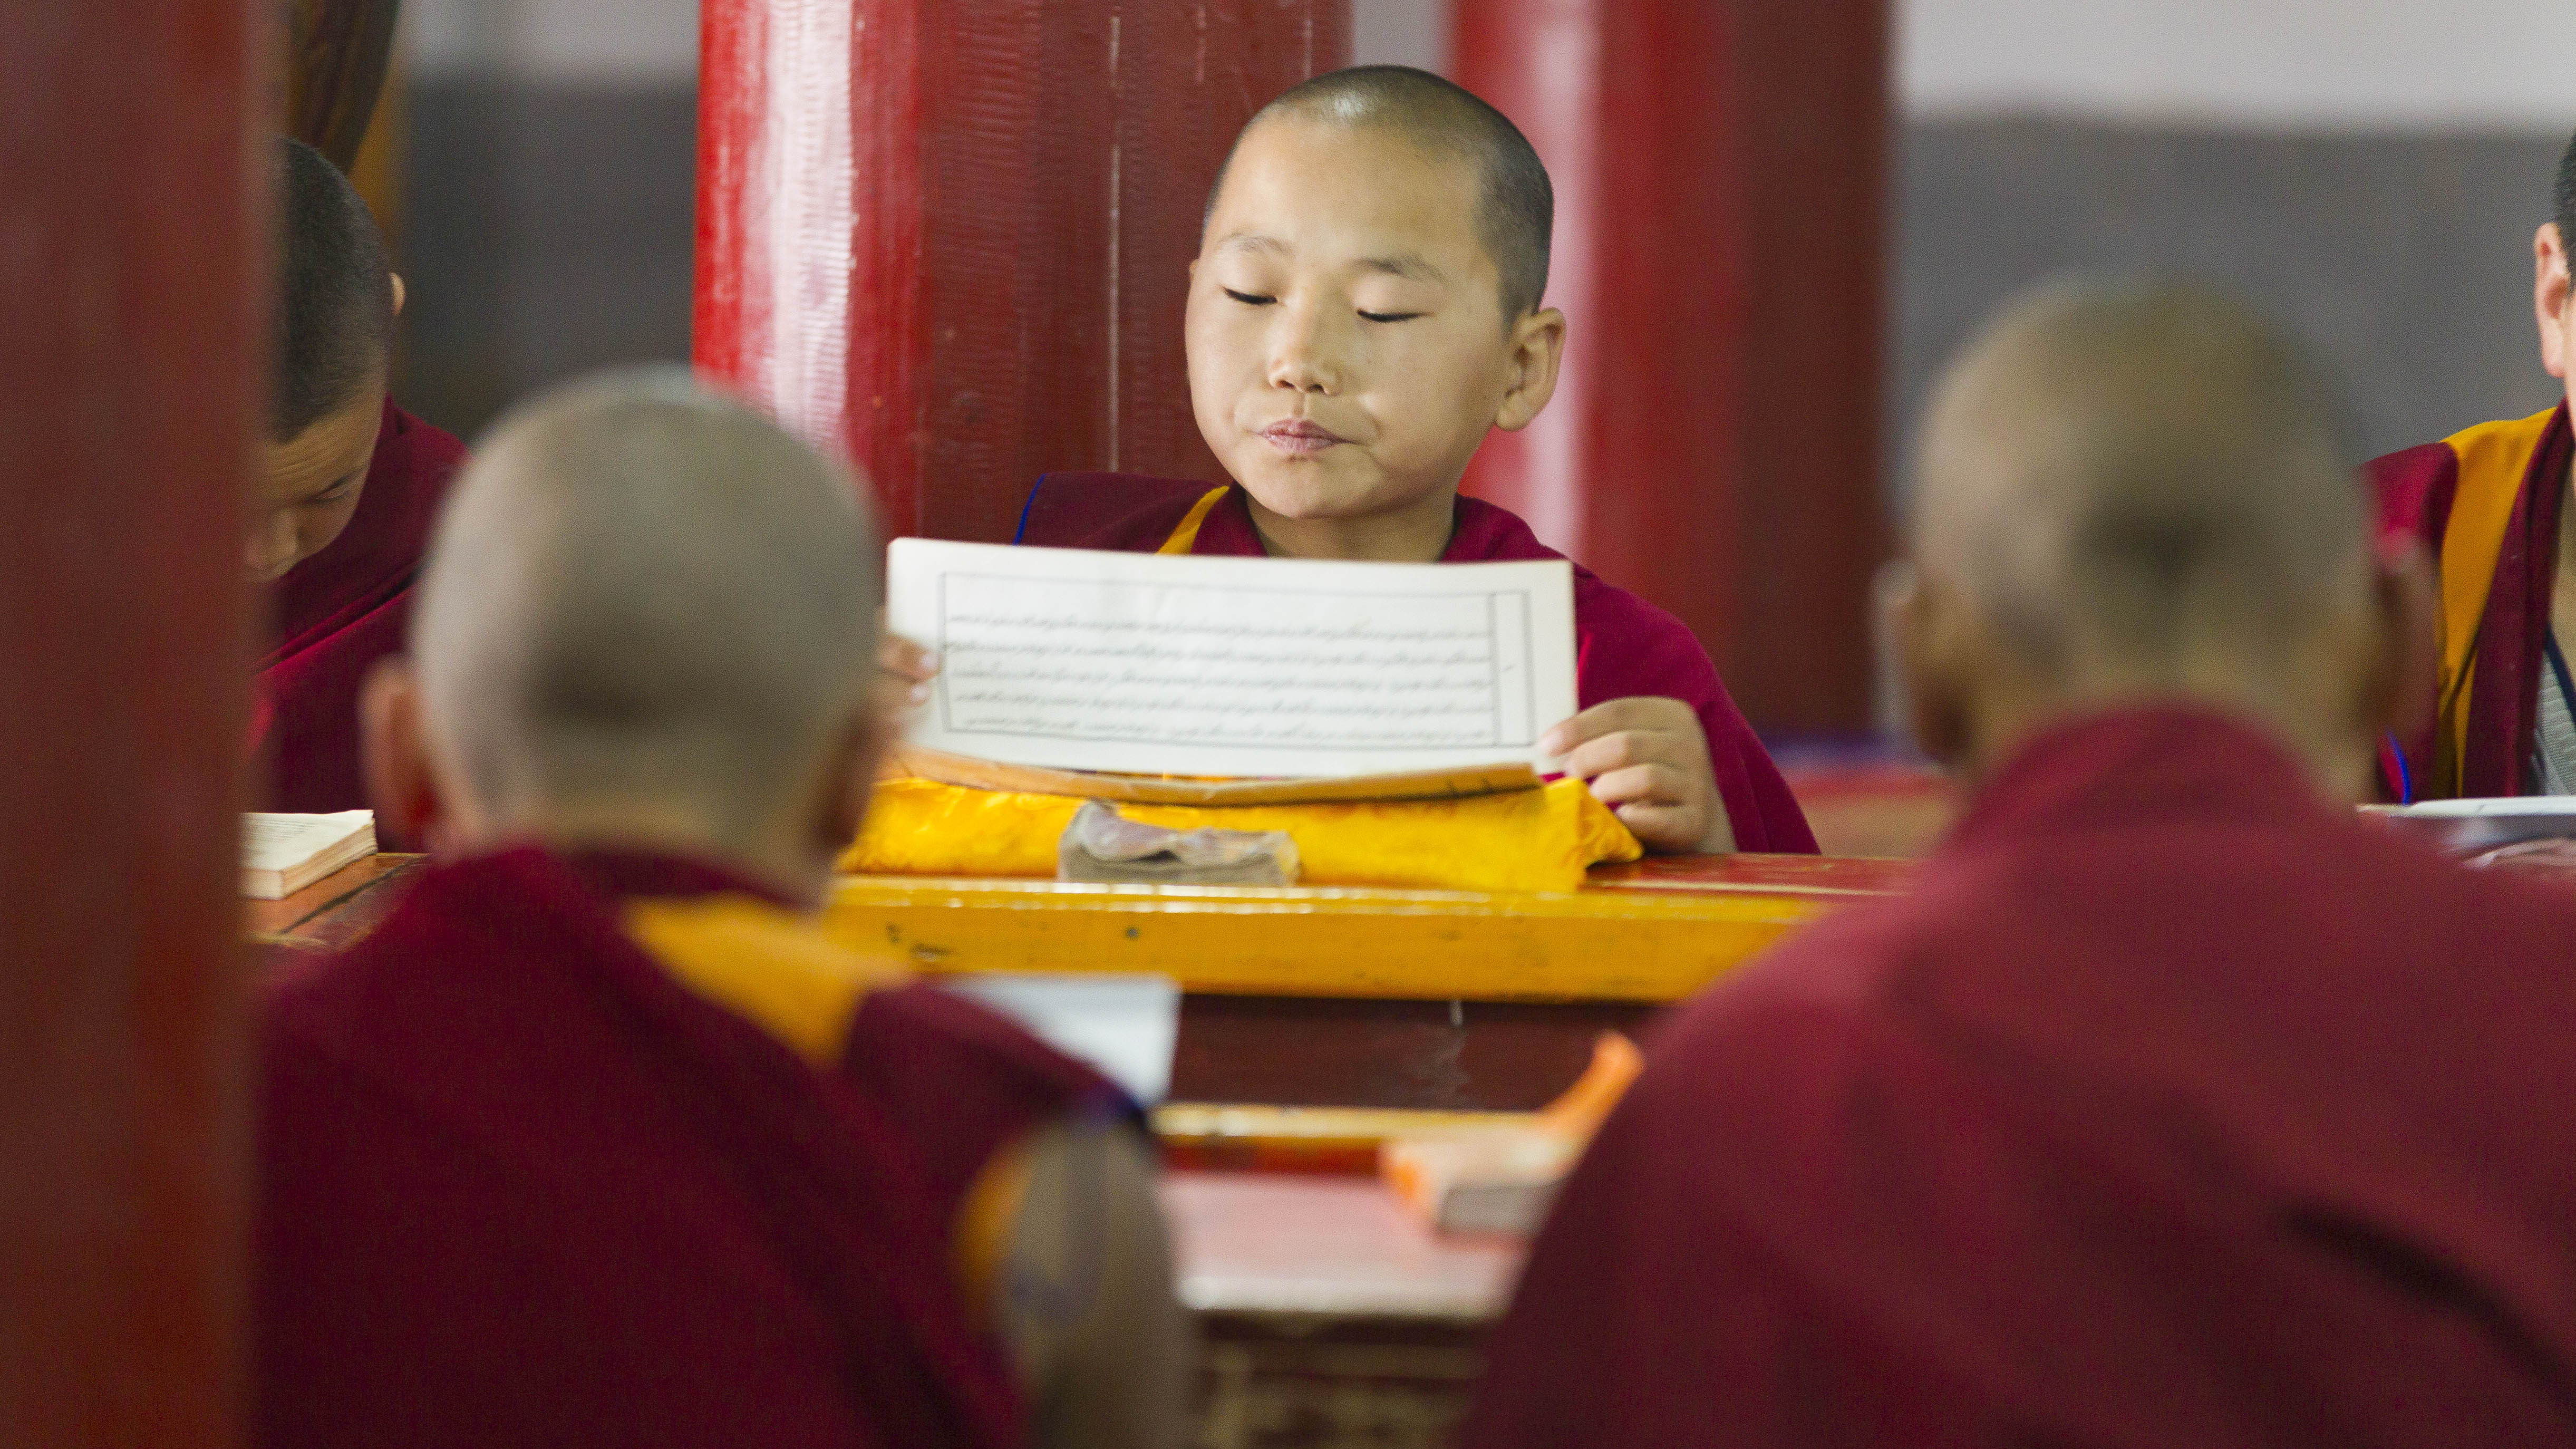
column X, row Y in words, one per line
column 1299, row 437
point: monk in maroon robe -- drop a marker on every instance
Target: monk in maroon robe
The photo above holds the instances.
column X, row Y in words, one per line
column 2489, row 504
column 1364, row 310
column 2175, row 1105
column 350, row 486
column 599, row 1139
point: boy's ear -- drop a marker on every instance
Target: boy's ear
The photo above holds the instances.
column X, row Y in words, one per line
column 2549, row 292
column 395, row 753
column 400, row 294
column 1537, row 347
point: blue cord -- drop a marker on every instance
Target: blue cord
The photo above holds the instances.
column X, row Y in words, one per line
column 1022, row 531
column 2405, row 780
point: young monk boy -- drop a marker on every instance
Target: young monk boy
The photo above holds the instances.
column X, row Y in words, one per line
column 2176, row 1105
column 2490, row 505
column 597, row 1140
column 1365, row 308
column 347, row 493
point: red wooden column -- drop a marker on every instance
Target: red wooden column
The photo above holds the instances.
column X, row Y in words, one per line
column 952, row 236
column 1720, row 171
column 132, row 350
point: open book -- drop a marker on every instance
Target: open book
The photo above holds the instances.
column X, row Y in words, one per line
column 1277, row 668
column 282, row 854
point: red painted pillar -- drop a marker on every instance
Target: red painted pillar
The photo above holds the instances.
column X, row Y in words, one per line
column 132, row 350
column 952, row 236
column 1720, row 170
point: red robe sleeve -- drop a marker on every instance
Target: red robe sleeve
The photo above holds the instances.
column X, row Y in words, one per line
column 2411, row 493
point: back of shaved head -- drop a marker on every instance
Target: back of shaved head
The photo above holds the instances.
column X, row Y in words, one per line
column 643, row 592
column 2141, row 480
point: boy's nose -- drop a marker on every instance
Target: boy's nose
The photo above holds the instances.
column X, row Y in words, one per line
column 271, row 544
column 1299, row 364
column 1302, row 352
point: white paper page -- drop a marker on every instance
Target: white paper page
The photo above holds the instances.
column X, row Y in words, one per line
column 283, row 842
column 1123, row 1025
column 1078, row 659
column 2491, row 807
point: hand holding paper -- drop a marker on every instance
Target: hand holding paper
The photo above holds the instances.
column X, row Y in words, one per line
column 1647, row 759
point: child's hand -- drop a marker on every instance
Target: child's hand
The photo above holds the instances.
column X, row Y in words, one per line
column 1648, row 761
column 908, row 666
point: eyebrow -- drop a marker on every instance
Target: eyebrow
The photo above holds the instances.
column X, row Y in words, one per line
column 1406, row 265
column 1409, row 265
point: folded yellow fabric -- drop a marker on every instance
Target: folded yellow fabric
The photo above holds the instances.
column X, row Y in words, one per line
column 1521, row 840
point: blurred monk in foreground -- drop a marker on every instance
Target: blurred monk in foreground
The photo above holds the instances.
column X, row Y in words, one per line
column 2176, row 1105
column 598, row 1140
column 349, row 485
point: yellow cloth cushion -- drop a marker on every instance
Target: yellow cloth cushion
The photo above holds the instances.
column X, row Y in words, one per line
column 1521, row 840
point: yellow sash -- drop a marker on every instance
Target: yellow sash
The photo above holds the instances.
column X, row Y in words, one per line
column 764, row 963
column 1186, row 536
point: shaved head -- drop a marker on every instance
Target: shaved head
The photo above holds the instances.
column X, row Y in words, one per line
column 643, row 593
column 334, row 329
column 1516, row 204
column 2140, row 480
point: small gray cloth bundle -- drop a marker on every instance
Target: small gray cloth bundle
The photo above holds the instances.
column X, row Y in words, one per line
column 1104, row 846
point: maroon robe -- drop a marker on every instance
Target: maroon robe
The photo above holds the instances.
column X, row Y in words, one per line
column 337, row 613
column 1624, row 646
column 521, row 1187
column 2172, row 1107
column 2492, row 705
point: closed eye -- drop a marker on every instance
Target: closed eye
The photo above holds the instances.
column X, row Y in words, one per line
column 1250, row 299
column 335, row 492
column 1388, row 316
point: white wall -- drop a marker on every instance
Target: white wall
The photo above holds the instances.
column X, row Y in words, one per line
column 2291, row 64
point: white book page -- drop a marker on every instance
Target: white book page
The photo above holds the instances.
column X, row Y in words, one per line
column 1181, row 665
column 283, row 842
column 1123, row 1025
column 2487, row 808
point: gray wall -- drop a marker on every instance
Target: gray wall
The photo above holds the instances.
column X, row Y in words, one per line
column 2404, row 260
column 548, row 230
